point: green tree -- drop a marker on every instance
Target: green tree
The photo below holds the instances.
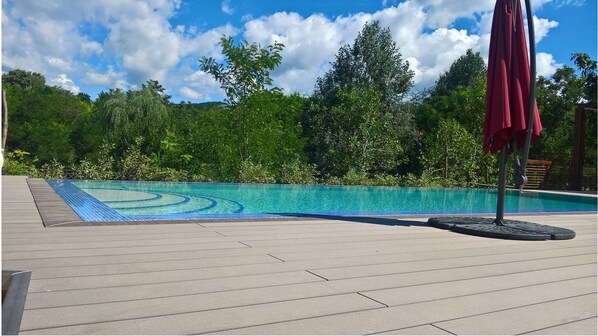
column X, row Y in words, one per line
column 137, row 113
column 459, row 94
column 357, row 104
column 587, row 66
column 42, row 118
column 246, row 68
column 558, row 97
column 24, row 79
column 455, row 155
column 373, row 60
column 466, row 71
column 357, row 133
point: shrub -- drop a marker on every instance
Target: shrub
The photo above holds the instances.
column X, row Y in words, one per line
column 134, row 165
column 15, row 163
column 385, row 180
column 168, row 174
column 97, row 167
column 297, row 172
column 54, row 169
column 250, row 172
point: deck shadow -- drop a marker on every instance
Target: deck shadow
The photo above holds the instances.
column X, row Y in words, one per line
column 389, row 221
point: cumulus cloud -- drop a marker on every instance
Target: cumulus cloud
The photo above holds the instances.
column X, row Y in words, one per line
column 546, row 64
column 142, row 44
column 66, row 83
column 190, row 93
column 109, row 79
column 226, row 8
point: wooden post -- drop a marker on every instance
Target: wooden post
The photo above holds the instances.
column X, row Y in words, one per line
column 579, row 139
column 4, row 121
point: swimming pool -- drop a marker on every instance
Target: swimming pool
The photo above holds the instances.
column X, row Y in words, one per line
column 135, row 201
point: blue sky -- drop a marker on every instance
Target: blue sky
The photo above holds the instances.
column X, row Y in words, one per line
column 94, row 45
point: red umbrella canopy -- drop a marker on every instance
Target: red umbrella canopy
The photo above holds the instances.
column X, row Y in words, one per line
column 508, row 86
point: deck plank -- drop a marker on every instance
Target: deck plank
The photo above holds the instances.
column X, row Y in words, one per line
column 381, row 320
column 526, row 319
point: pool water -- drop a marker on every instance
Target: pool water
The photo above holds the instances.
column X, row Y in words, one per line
column 132, row 201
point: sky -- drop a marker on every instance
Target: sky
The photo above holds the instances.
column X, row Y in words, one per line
column 94, row 45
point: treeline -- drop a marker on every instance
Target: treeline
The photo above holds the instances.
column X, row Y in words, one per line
column 360, row 126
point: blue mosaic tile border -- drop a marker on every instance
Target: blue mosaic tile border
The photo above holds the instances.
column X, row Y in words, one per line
column 84, row 205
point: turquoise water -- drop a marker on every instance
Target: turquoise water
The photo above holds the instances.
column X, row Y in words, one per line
column 128, row 200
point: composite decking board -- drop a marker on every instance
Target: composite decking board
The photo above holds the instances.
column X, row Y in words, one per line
column 582, row 327
column 206, row 321
column 195, row 228
column 223, row 272
column 122, row 250
column 426, row 329
column 418, row 265
column 132, row 309
column 456, row 238
column 400, row 280
column 140, row 267
column 380, row 320
column 481, row 247
column 79, row 314
column 261, row 263
column 445, row 289
column 166, row 289
column 267, row 240
column 525, row 319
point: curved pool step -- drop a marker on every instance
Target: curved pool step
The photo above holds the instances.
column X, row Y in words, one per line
column 137, row 202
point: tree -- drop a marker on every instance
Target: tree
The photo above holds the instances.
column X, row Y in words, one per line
column 557, row 99
column 246, row 68
column 466, row 71
column 454, row 154
column 357, row 108
column 137, row 113
column 357, row 134
column 24, row 79
column 587, row 66
column 373, row 60
column 42, row 119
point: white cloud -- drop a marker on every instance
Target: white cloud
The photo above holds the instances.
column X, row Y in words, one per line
column 542, row 27
column 190, row 93
column 109, row 79
column 142, row 44
column 226, row 8
column 66, row 83
column 546, row 64
column 58, row 63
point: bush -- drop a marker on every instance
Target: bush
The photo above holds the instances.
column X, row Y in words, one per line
column 429, row 180
column 250, row 172
column 134, row 165
column 15, row 163
column 54, row 169
column 168, row 174
column 297, row 172
column 385, row 180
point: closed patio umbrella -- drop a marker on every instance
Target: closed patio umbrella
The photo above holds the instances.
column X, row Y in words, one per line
column 508, row 85
column 511, row 122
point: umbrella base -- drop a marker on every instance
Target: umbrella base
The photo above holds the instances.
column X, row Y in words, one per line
column 512, row 229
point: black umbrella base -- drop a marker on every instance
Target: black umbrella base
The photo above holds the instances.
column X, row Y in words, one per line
column 512, row 229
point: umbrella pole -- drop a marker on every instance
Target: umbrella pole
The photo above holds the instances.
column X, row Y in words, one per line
column 532, row 89
column 502, row 186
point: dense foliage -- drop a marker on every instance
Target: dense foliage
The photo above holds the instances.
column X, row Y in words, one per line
column 362, row 125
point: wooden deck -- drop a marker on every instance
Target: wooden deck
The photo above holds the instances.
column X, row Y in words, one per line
column 297, row 277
